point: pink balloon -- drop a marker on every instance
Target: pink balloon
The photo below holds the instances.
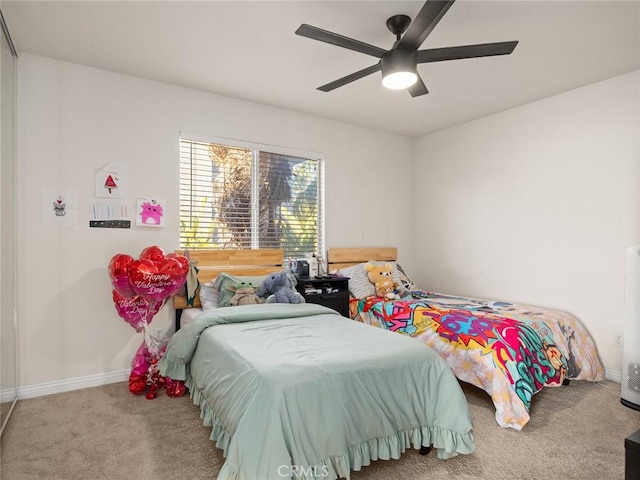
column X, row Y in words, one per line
column 144, row 373
column 140, row 362
column 144, row 357
column 156, row 280
column 136, row 311
column 119, row 274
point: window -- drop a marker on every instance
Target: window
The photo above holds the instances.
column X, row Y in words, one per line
column 239, row 195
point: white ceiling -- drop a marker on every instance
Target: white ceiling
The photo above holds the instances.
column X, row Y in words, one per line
column 248, row 50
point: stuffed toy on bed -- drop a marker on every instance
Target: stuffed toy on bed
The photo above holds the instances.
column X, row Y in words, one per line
column 382, row 278
column 386, row 290
column 244, row 294
column 278, row 288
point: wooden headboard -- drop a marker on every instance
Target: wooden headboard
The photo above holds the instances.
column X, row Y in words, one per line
column 236, row 262
column 338, row 258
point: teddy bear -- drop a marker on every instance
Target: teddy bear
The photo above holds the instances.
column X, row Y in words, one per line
column 387, row 290
column 381, row 276
column 245, row 294
column 278, row 288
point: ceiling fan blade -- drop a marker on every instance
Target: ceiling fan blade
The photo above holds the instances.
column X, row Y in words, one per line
column 422, row 25
column 350, row 78
column 418, row 88
column 316, row 33
column 466, row 51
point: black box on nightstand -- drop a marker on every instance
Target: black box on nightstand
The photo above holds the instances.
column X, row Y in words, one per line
column 632, row 456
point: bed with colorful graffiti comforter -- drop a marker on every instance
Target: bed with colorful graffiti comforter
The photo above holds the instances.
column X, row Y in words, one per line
column 510, row 351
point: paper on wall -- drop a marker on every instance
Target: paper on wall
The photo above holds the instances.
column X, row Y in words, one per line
column 112, row 181
column 59, row 208
column 149, row 212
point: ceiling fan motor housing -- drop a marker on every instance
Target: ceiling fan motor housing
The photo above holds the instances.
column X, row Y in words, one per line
column 399, row 60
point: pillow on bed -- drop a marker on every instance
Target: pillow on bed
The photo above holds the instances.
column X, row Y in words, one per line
column 225, row 280
column 208, row 296
column 361, row 287
column 405, row 281
column 359, row 284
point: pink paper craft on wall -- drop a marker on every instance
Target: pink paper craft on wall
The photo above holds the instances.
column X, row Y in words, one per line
column 150, row 212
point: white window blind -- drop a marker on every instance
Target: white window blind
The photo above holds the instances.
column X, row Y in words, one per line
column 247, row 196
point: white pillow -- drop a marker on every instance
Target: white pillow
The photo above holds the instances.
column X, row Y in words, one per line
column 359, row 284
column 208, row 296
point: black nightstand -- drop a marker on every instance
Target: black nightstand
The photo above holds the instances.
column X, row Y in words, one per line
column 331, row 291
column 632, row 456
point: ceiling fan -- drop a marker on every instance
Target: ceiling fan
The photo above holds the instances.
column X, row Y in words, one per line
column 399, row 64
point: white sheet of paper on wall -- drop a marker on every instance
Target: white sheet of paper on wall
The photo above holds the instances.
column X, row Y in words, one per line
column 112, row 181
column 59, row 208
column 113, row 213
column 150, row 212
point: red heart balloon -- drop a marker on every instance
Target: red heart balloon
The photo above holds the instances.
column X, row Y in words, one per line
column 175, row 388
column 157, row 280
column 119, row 274
column 137, row 310
column 181, row 258
column 137, row 383
column 153, row 253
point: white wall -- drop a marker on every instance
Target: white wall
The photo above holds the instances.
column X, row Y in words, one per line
column 73, row 120
column 8, row 371
column 536, row 205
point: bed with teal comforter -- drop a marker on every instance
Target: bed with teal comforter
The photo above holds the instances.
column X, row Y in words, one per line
column 298, row 391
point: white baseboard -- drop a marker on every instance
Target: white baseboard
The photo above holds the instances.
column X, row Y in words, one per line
column 7, row 395
column 48, row 388
column 612, row 375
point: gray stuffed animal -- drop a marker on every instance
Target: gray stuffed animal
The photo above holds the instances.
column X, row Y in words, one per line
column 278, row 288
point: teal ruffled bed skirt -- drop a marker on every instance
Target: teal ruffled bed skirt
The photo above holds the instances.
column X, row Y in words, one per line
column 447, row 444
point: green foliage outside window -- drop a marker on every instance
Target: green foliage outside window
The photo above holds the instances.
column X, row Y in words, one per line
column 235, row 197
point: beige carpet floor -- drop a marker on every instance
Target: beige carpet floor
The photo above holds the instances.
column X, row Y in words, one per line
column 106, row 433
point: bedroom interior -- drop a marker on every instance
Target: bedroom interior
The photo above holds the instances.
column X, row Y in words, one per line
column 504, row 182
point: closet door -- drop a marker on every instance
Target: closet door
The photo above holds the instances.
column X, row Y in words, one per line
column 8, row 324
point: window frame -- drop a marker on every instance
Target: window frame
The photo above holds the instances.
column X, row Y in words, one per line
column 271, row 149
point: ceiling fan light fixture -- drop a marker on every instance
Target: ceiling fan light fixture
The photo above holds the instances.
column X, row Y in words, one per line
column 399, row 69
column 399, row 80
column 399, row 64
